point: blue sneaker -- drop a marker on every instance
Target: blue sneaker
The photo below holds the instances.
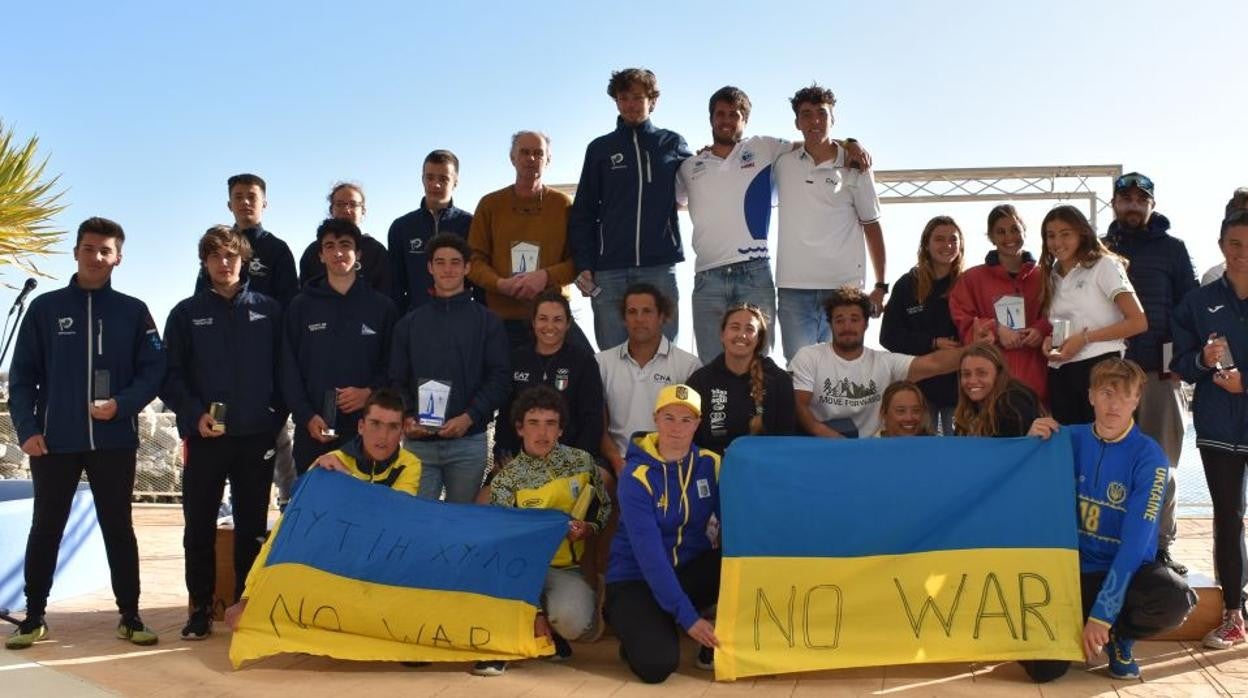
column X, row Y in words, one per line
column 1122, row 664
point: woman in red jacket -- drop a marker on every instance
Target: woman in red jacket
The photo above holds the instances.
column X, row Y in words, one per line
column 999, row 302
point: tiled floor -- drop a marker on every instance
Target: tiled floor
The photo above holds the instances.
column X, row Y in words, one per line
column 83, row 658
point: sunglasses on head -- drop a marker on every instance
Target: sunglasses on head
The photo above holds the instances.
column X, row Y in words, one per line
column 1134, row 180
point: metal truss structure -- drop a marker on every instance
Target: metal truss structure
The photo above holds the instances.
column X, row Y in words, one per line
column 1060, row 183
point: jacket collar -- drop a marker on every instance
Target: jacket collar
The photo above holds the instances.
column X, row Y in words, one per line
column 355, row 449
column 646, row 126
column 73, row 286
column 1158, row 226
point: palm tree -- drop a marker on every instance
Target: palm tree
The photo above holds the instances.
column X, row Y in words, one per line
column 27, row 204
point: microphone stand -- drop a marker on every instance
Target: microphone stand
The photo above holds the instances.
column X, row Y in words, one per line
column 18, row 308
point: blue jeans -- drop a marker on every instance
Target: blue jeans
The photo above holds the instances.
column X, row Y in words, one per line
column 609, row 328
column 457, row 464
column 802, row 320
column 716, row 289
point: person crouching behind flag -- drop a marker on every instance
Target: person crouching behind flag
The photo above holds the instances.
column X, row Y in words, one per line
column 372, row 456
column 550, row 475
column 1122, row 476
column 664, row 563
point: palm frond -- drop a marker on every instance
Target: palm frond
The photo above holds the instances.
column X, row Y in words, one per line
column 27, row 204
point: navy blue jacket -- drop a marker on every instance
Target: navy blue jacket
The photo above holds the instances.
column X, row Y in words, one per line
column 271, row 270
column 409, row 233
column 69, row 334
column 1221, row 418
column 910, row 326
column 459, row 340
column 624, row 214
column 1161, row 272
column 373, row 261
column 225, row 351
column 334, row 340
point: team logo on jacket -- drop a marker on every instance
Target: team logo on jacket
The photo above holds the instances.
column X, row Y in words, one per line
column 201, row 321
column 253, row 315
column 1215, row 308
column 747, row 159
column 63, row 324
column 660, row 378
column 617, row 161
column 414, row 246
column 365, row 330
column 257, row 268
column 1116, row 493
column 317, row 326
column 520, row 376
column 561, row 379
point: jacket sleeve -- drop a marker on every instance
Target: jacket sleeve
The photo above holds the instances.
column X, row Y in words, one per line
column 391, row 316
column 1138, row 531
column 27, row 374
column 637, row 514
column 481, row 239
column 563, row 271
column 962, row 307
column 149, row 366
column 899, row 331
column 400, row 373
column 1188, row 343
column 398, row 270
column 278, row 401
column 496, row 372
column 285, row 278
column 310, row 265
column 583, row 216
column 588, row 407
column 176, row 391
column 291, row 380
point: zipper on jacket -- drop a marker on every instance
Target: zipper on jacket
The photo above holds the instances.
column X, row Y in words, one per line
column 640, row 186
column 649, row 177
column 99, row 337
column 601, row 242
column 90, row 373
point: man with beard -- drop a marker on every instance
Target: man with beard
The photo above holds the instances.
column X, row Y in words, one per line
column 728, row 189
column 839, row 384
column 1161, row 271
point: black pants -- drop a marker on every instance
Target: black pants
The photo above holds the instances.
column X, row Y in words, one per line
column 1068, row 390
column 1157, row 599
column 648, row 634
column 209, row 463
column 306, row 449
column 55, row 478
column 1224, row 473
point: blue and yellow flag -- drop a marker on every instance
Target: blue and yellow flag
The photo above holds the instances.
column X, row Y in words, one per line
column 845, row 553
column 358, row 571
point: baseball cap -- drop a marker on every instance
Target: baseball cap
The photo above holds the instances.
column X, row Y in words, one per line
column 679, row 394
column 1134, row 179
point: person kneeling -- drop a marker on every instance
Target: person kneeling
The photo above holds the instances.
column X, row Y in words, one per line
column 549, row 475
column 1127, row 595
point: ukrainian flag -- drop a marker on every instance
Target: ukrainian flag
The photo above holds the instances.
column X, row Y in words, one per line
column 845, row 553
column 357, row 571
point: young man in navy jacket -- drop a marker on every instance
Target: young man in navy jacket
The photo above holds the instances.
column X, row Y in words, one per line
column 72, row 417
column 223, row 346
column 449, row 360
column 622, row 226
column 336, row 346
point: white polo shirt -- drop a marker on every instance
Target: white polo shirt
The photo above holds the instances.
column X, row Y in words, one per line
column 730, row 201
column 845, row 389
column 632, row 390
column 1085, row 296
column 823, row 207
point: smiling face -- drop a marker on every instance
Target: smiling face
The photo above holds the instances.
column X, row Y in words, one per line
column 944, row 245
column 740, row 335
column 380, row 430
column 1008, row 236
column 634, row 105
column 550, row 327
column 1062, row 241
column 904, row 414
column 727, row 123
column 977, row 376
column 814, row 121
column 448, row 269
column 96, row 256
column 1234, row 246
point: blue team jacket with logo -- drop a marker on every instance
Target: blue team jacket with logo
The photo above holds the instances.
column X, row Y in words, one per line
column 624, row 214
column 664, row 512
column 271, row 270
column 1221, row 418
column 334, row 340
column 1121, row 487
column 69, row 335
column 225, row 351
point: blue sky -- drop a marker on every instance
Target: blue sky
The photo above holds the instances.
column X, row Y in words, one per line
column 146, row 108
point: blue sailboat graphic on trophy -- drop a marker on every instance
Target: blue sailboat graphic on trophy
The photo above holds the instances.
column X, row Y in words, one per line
column 432, row 398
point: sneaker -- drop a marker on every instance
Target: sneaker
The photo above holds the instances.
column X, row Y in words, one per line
column 28, row 632
column 1121, row 664
column 1163, row 556
column 1226, row 635
column 563, row 650
column 706, row 659
column 199, row 625
column 492, row 668
column 132, row 629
